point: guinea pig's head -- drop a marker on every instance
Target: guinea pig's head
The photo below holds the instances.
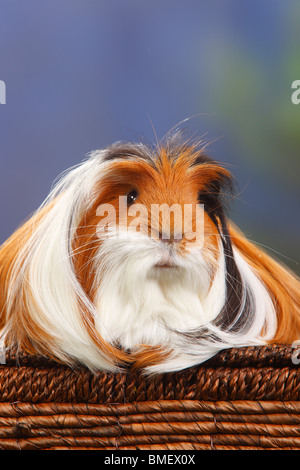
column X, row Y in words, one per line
column 157, row 214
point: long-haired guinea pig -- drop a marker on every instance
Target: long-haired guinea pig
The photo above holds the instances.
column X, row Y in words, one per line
column 86, row 281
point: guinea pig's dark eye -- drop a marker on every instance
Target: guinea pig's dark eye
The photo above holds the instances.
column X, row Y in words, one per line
column 132, row 196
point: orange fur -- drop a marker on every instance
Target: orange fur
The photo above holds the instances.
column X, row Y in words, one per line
column 283, row 286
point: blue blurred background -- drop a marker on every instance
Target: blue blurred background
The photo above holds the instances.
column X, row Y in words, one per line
column 81, row 74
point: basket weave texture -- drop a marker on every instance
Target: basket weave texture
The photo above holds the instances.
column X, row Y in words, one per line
column 246, row 398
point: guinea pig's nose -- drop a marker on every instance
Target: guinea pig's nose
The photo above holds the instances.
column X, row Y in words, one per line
column 170, row 238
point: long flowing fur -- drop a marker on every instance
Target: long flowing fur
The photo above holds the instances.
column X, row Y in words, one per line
column 74, row 291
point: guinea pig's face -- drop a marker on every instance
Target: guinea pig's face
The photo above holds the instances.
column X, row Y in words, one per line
column 156, row 217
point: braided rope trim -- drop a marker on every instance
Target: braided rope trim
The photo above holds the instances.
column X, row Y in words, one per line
column 253, row 373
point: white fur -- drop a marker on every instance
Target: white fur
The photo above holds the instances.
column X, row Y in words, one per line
column 136, row 302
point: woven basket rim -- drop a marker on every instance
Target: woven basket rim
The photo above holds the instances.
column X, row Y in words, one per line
column 260, row 356
column 252, row 373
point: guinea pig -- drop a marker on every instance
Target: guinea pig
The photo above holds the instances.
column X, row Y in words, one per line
column 98, row 278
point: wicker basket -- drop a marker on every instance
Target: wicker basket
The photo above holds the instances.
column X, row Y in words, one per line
column 244, row 398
